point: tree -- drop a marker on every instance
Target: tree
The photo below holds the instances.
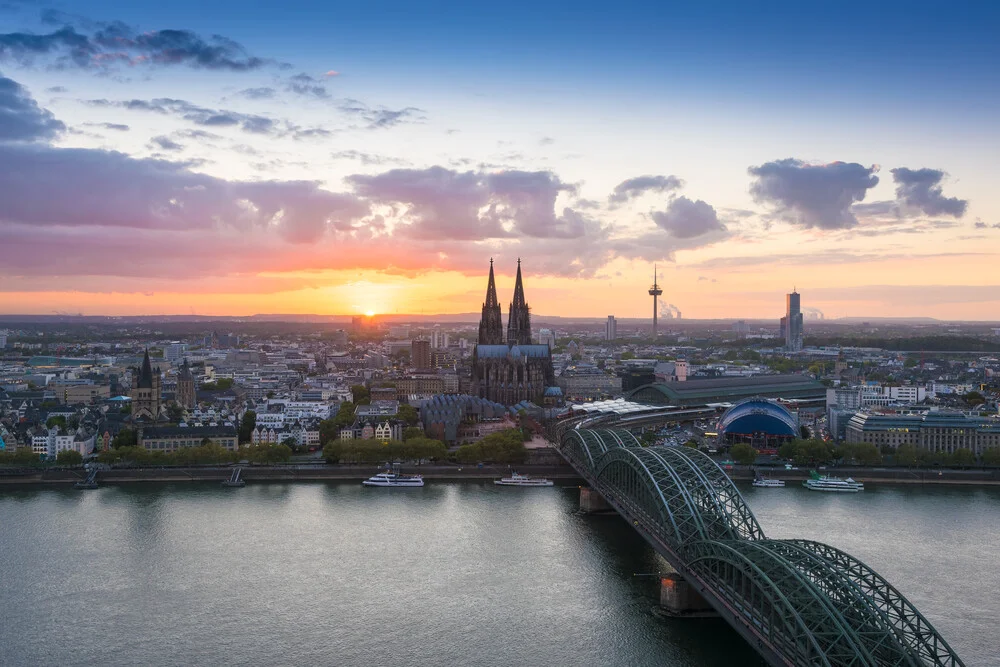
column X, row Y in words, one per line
column 411, row 432
column 56, row 420
column 974, row 398
column 175, row 412
column 963, row 458
column 743, row 453
column 125, row 438
column 345, row 415
column 991, row 456
column 906, row 455
column 247, row 425
column 409, row 414
column 69, row 457
column 361, row 394
column 693, row 444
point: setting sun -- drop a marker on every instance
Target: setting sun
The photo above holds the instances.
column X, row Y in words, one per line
column 369, row 313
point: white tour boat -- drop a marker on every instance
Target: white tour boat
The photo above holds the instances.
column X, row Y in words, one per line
column 767, row 482
column 818, row 482
column 389, row 478
column 522, row 480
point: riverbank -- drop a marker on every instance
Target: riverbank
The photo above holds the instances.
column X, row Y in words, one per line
column 889, row 476
column 561, row 474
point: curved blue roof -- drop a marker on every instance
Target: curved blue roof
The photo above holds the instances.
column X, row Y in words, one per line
column 758, row 415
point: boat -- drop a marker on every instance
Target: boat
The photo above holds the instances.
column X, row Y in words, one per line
column 817, row 482
column 522, row 480
column 767, row 482
column 392, row 478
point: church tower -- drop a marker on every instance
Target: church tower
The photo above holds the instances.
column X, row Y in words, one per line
column 491, row 322
column 186, row 396
column 519, row 317
column 146, row 398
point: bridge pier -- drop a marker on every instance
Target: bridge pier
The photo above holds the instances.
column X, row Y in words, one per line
column 592, row 502
column 679, row 598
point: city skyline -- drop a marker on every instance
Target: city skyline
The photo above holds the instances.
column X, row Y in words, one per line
column 204, row 161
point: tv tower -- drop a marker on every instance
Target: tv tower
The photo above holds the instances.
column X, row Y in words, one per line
column 654, row 292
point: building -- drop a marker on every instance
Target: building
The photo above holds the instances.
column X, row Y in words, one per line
column 174, row 351
column 935, row 431
column 799, row 388
column 171, row 438
column 611, row 329
column 518, row 370
column 586, row 381
column 74, row 394
column 3, row 339
column 147, row 401
column 185, row 396
column 546, row 337
column 420, row 354
column 791, row 323
column 764, row 425
column 458, row 418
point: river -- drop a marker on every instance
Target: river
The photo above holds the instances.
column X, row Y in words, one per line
column 450, row 574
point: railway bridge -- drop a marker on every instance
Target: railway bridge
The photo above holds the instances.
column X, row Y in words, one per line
column 798, row 602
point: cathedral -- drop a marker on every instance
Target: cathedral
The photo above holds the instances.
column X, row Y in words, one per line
column 146, row 398
column 509, row 370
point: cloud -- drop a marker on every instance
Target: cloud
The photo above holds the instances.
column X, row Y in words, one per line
column 258, row 93
column 813, row 195
column 115, row 43
column 167, row 144
column 634, row 187
column 920, row 189
column 303, row 84
column 21, row 119
column 829, row 257
column 983, row 225
column 206, row 117
column 381, row 117
column 117, row 127
column 367, row 159
column 687, row 219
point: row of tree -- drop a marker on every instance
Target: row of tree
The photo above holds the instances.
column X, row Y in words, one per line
column 819, row 452
column 505, row 446
column 377, row 451
column 206, row 453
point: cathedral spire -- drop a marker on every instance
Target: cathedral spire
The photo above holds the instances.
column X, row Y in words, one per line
column 519, row 317
column 491, row 322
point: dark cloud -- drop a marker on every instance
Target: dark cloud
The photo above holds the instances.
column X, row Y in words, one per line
column 57, row 89
column 115, row 43
column 982, row 225
column 21, row 119
column 380, row 117
column 687, row 219
column 634, row 187
column 117, row 127
column 166, row 143
column 813, row 195
column 43, row 185
column 920, row 189
column 250, row 123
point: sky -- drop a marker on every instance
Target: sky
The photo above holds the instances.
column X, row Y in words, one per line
column 233, row 158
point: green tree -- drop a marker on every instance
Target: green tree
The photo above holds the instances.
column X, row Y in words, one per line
column 345, row 415
column 693, row 444
column 125, row 438
column 55, row 420
column 743, row 453
column 906, row 455
column 247, row 425
column 974, row 398
column 175, row 412
column 991, row 456
column 361, row 394
column 408, row 414
column 411, row 432
column 963, row 458
column 69, row 457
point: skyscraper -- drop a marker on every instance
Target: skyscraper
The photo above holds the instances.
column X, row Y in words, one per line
column 420, row 354
column 611, row 328
column 792, row 322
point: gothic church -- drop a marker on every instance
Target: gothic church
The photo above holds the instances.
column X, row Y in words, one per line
column 514, row 370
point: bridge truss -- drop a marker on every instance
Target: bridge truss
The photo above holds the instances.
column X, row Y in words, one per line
column 797, row 602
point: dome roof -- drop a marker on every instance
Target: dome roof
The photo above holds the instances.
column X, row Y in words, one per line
column 758, row 415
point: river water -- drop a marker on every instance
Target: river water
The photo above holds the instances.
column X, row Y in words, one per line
column 450, row 574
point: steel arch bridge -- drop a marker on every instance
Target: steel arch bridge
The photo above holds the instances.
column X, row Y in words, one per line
column 797, row 602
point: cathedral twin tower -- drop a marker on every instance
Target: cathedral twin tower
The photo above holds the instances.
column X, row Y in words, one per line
column 518, row 321
column 512, row 369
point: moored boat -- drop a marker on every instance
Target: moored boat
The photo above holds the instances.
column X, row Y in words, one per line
column 767, row 482
column 522, row 480
column 390, row 478
column 817, row 482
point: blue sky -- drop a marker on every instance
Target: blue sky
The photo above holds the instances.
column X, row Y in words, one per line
column 501, row 129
